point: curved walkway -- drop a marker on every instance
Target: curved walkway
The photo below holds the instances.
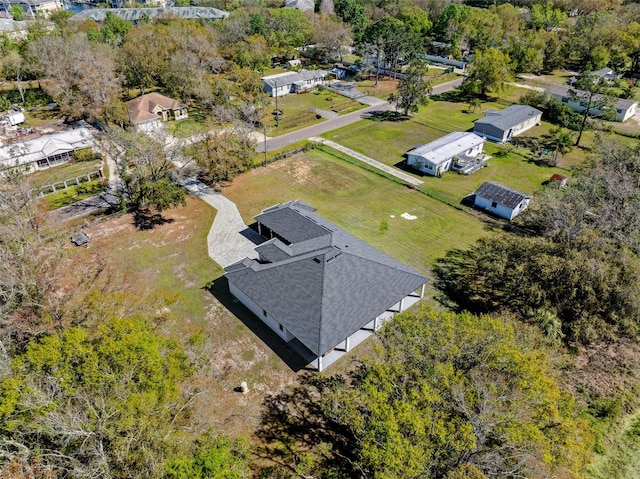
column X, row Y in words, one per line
column 229, row 239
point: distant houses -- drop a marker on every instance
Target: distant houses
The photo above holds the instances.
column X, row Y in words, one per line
column 500, row 200
column 147, row 112
column 502, row 125
column 319, row 288
column 438, row 156
column 31, row 8
column 625, row 109
column 137, row 14
column 293, row 82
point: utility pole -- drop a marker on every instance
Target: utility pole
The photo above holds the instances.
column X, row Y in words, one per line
column 275, row 82
column 264, row 129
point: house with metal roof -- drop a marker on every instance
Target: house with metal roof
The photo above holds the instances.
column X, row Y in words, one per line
column 148, row 111
column 302, row 5
column 500, row 200
column 293, row 82
column 322, row 290
column 502, row 125
column 437, row 157
column 577, row 101
column 40, row 152
column 605, row 73
column 32, row 8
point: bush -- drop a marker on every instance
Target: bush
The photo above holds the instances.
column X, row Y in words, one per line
column 85, row 154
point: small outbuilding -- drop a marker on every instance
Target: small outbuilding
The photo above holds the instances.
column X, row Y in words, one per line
column 500, row 200
column 559, row 180
column 502, row 125
column 437, row 157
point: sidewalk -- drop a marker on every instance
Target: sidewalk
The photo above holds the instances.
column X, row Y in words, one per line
column 407, row 178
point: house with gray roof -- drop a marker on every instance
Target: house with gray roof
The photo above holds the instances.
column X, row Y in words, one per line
column 500, row 200
column 605, row 73
column 136, row 14
column 302, row 5
column 319, row 288
column 32, row 8
column 502, row 125
column 293, row 82
column 577, row 100
column 436, row 157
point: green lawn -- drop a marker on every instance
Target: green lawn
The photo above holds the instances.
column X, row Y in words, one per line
column 63, row 172
column 74, row 194
column 365, row 204
column 296, row 109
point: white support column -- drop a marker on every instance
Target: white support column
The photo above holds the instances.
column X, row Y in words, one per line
column 346, row 344
column 400, row 308
column 319, row 363
column 260, row 228
column 422, row 291
column 375, row 323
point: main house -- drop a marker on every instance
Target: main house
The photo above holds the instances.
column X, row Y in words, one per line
column 293, row 82
column 577, row 101
column 437, row 157
column 500, row 200
column 148, row 111
column 45, row 151
column 502, row 125
column 319, row 288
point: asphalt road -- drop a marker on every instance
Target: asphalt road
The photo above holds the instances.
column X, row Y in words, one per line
column 340, row 121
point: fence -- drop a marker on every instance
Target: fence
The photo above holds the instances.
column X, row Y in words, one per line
column 64, row 184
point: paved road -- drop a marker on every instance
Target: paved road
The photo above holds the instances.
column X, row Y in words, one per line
column 229, row 239
column 344, row 120
column 412, row 180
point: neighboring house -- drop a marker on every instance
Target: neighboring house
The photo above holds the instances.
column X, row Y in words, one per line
column 14, row 117
column 45, row 151
column 502, row 125
column 302, row 5
column 148, row 111
column 293, row 82
column 605, row 73
column 436, row 157
column 31, row 8
column 500, row 200
column 136, row 14
column 625, row 109
column 319, row 288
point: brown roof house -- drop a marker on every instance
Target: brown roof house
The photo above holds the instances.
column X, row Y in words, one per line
column 148, row 111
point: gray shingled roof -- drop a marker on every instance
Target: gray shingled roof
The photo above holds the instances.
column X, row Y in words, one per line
column 135, row 14
column 328, row 289
column 508, row 117
column 302, row 5
column 501, row 194
column 619, row 103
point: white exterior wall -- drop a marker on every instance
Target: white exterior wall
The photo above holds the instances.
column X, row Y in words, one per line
column 575, row 105
column 282, row 90
column 259, row 312
column 628, row 113
column 424, row 165
column 501, row 210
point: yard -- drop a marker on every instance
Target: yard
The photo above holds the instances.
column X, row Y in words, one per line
column 297, row 110
column 63, row 172
column 365, row 204
column 141, row 267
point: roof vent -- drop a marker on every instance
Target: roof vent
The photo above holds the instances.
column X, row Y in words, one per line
column 317, row 260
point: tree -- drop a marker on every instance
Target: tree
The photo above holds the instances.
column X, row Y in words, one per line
column 413, row 89
column 488, row 71
column 446, row 393
column 17, row 13
column 213, row 457
column 353, row 13
column 330, row 36
column 559, row 141
column 591, row 92
column 13, row 66
column 544, row 16
column 105, row 403
column 287, row 29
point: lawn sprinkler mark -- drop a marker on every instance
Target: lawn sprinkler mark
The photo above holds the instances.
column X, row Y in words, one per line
column 407, row 216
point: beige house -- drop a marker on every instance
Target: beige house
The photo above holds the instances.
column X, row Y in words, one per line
column 147, row 112
column 32, row 8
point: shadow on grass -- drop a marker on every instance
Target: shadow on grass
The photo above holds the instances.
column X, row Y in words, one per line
column 295, row 422
column 219, row 288
column 147, row 220
column 385, row 116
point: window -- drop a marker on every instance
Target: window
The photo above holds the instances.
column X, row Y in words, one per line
column 494, row 204
column 281, row 327
column 264, row 312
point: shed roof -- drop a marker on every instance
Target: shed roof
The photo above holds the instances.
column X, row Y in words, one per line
column 327, row 286
column 508, row 117
column 302, row 5
column 503, row 195
column 448, row 146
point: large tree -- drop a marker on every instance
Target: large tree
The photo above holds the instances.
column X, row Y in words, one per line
column 413, row 89
column 591, row 91
column 448, row 394
column 488, row 71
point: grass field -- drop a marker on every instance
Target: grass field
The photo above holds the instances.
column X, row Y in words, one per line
column 62, row 172
column 365, row 204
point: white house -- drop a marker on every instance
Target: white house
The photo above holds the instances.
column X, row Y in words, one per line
column 319, row 288
column 436, row 157
column 502, row 125
column 500, row 200
column 46, row 151
column 605, row 73
column 14, row 117
column 32, row 8
column 293, row 82
column 625, row 109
